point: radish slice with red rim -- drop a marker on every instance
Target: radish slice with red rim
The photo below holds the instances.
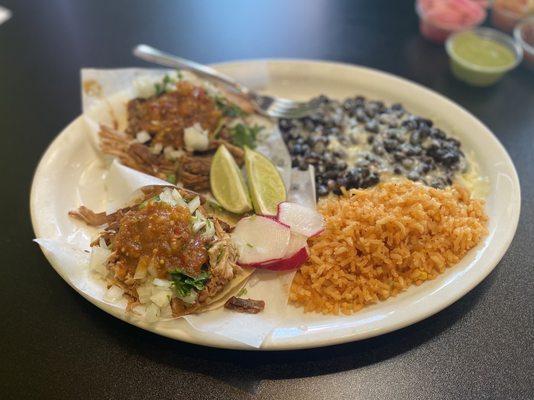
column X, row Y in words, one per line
column 260, row 239
column 302, row 220
column 284, row 264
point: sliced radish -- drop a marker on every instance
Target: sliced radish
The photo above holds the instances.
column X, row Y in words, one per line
column 296, row 254
column 260, row 239
column 284, row 264
column 296, row 242
column 302, row 220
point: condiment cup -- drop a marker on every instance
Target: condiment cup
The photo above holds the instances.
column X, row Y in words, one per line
column 524, row 35
column 479, row 75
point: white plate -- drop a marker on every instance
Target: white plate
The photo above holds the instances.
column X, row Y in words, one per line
column 54, row 192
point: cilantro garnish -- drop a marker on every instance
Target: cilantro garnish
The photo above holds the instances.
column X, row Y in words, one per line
column 166, row 84
column 229, row 109
column 145, row 203
column 244, row 135
column 171, row 178
column 183, row 283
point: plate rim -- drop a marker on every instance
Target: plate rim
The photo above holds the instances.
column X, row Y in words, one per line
column 321, row 342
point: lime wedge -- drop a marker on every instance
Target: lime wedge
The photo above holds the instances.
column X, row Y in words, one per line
column 264, row 182
column 227, row 183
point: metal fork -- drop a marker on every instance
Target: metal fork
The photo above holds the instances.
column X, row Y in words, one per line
column 276, row 107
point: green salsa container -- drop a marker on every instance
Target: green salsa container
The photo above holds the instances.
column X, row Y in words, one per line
column 482, row 56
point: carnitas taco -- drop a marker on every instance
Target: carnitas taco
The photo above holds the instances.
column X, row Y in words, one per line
column 174, row 126
column 164, row 254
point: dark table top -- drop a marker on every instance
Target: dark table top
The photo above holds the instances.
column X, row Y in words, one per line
column 54, row 344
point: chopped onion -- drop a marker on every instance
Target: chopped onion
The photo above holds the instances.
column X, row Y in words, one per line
column 190, row 298
column 143, row 136
column 194, row 204
column 199, row 221
column 144, row 293
column 161, row 297
column 152, row 269
column 140, row 270
column 102, row 243
column 196, row 138
column 171, row 153
column 164, row 283
column 178, row 198
column 114, row 293
column 156, row 149
column 145, row 87
column 166, row 311
column 99, row 258
column 152, row 313
column 210, row 229
column 139, row 309
column 167, row 197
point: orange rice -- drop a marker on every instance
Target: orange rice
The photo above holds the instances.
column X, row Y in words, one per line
column 379, row 241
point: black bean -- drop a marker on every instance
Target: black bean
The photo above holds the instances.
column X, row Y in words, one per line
column 371, row 180
column 454, row 142
column 361, row 116
column 285, row 124
column 415, row 137
column 399, row 156
column 322, row 190
column 328, row 158
column 331, row 184
column 397, row 170
column 331, row 174
column 371, row 126
column 413, row 176
column 407, row 163
column 424, row 130
column 390, row 145
column 378, row 149
column 342, row 181
column 337, row 191
column 409, row 124
column 450, row 158
column 295, row 162
column 303, row 165
column 424, row 122
column 424, row 167
column 341, row 165
column 354, row 172
column 397, row 107
column 437, row 133
column 370, row 139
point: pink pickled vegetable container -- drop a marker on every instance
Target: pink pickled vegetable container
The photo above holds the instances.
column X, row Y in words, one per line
column 438, row 19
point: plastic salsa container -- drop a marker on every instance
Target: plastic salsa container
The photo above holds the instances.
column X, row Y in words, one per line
column 440, row 18
column 505, row 14
column 524, row 35
column 482, row 56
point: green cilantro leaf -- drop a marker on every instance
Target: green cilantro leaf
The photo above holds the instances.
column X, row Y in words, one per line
column 171, row 178
column 244, row 135
column 229, row 109
column 183, row 283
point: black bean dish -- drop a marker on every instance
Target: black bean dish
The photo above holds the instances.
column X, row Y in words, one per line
column 357, row 143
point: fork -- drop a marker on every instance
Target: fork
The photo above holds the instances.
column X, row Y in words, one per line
column 275, row 107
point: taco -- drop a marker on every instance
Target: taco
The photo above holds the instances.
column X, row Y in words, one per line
column 165, row 254
column 173, row 127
